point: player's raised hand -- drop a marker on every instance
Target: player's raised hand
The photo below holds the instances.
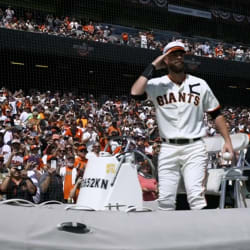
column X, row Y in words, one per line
column 159, row 62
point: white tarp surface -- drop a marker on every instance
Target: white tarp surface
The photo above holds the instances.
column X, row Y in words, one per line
column 26, row 228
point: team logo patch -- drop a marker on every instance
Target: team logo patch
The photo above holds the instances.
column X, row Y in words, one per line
column 110, row 168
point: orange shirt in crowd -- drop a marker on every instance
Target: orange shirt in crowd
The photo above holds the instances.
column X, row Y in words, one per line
column 89, row 28
column 125, row 36
column 103, row 141
column 112, row 129
column 19, row 104
column 77, row 135
column 84, row 122
column 80, row 162
column 67, row 182
column 41, row 116
column 218, row 51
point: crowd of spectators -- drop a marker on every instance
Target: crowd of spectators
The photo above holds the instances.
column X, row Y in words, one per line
column 47, row 138
column 107, row 33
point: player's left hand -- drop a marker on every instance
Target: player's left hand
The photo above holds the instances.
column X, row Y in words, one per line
column 228, row 147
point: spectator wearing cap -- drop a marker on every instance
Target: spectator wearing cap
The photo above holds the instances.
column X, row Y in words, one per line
column 68, row 174
column 81, row 160
column 34, row 156
column 51, row 183
column 17, row 185
column 16, row 156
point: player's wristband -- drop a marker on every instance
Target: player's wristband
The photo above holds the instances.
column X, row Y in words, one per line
column 149, row 71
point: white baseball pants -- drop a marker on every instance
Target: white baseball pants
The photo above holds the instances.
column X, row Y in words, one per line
column 190, row 160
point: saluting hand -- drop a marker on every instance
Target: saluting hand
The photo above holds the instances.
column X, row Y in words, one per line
column 159, row 62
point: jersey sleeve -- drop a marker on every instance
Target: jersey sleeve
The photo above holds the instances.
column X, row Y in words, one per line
column 210, row 102
column 150, row 89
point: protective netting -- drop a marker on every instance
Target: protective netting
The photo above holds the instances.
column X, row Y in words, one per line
column 101, row 47
column 70, row 64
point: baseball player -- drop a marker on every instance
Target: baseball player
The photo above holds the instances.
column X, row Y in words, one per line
column 180, row 100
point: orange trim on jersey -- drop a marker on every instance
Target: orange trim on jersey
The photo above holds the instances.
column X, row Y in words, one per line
column 175, row 49
column 214, row 109
column 249, row 137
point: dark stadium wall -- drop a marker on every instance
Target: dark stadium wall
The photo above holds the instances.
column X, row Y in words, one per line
column 40, row 61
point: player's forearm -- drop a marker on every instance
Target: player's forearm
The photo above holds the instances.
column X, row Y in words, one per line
column 139, row 86
column 222, row 127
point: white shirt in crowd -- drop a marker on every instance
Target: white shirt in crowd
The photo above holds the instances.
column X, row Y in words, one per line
column 92, row 136
column 7, row 136
column 24, row 116
column 5, row 150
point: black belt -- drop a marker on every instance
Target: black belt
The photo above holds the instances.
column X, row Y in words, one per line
column 180, row 141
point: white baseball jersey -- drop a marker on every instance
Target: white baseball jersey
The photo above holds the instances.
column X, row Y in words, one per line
column 180, row 109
